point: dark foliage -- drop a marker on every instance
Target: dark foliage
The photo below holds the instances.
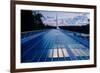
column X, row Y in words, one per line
column 80, row 29
column 30, row 20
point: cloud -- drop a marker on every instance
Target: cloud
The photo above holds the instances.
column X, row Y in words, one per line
column 51, row 18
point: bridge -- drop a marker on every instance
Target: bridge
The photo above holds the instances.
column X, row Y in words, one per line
column 53, row 45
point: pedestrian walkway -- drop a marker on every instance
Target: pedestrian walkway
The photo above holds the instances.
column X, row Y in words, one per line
column 53, row 45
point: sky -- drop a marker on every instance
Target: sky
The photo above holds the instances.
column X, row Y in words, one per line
column 53, row 18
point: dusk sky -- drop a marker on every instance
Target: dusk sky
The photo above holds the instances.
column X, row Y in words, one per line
column 52, row 18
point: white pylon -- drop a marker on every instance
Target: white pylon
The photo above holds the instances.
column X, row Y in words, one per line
column 57, row 27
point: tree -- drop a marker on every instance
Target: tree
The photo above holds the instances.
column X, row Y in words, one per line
column 26, row 20
column 37, row 19
column 31, row 20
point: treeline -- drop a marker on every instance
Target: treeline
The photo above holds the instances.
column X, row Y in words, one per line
column 80, row 29
column 31, row 20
